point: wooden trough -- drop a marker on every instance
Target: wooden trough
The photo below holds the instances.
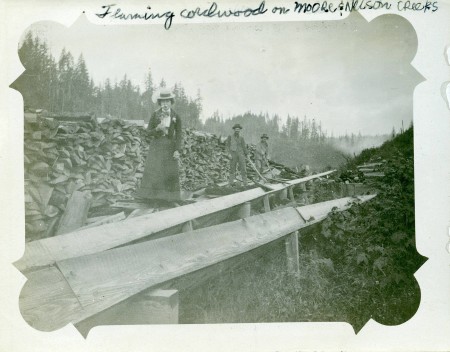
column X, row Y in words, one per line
column 86, row 241
column 112, row 273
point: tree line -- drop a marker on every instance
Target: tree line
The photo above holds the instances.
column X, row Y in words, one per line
column 65, row 86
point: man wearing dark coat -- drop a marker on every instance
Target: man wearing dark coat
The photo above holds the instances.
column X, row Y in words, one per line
column 237, row 149
column 161, row 178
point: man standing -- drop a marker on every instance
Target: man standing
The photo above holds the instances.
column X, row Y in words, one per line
column 238, row 151
column 262, row 153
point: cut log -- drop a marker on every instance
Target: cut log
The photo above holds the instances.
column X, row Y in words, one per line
column 76, row 212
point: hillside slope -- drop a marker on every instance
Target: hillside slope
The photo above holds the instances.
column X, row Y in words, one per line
column 356, row 265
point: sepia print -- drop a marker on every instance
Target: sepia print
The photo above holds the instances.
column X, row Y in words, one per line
column 219, row 173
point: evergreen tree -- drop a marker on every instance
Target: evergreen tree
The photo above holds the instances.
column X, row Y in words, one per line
column 65, row 78
column 81, row 86
column 38, row 83
column 147, row 103
column 293, row 134
column 305, row 130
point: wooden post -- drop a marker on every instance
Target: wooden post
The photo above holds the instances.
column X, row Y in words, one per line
column 266, row 203
column 76, row 211
column 187, row 226
column 245, row 210
column 283, row 194
column 148, row 307
column 291, row 193
column 291, row 242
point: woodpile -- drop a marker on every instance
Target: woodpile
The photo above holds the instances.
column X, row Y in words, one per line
column 63, row 157
column 204, row 160
column 104, row 161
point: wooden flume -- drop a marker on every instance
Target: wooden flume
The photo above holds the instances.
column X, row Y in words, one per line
column 95, row 239
column 76, row 288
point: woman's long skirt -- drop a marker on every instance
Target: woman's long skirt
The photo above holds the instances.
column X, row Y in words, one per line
column 161, row 179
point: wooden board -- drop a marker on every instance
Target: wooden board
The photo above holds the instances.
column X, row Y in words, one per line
column 374, row 174
column 49, row 250
column 366, row 169
column 76, row 212
column 280, row 186
column 369, row 165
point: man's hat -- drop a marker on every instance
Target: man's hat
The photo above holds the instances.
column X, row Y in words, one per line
column 237, row 126
column 264, row 136
column 163, row 94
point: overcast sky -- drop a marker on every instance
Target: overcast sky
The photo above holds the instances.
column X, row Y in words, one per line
column 350, row 74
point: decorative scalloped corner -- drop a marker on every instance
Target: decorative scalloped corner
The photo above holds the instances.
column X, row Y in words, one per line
column 411, row 308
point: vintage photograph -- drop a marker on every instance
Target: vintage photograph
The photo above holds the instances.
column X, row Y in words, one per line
column 219, row 173
column 212, row 176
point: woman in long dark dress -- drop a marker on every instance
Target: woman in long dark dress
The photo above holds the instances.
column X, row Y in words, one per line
column 161, row 178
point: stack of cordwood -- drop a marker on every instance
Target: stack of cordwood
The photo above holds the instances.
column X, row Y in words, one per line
column 106, row 161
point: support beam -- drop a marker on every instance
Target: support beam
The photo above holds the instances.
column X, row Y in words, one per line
column 148, row 307
column 245, row 210
column 291, row 193
column 266, row 203
column 283, row 194
column 293, row 264
column 187, row 226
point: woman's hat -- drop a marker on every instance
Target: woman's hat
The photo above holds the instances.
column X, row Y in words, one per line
column 237, row 126
column 264, row 136
column 162, row 94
